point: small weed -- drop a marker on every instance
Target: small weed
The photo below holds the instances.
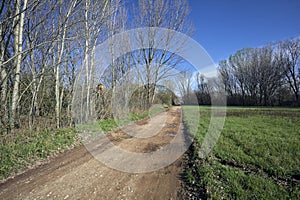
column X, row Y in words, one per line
column 108, row 125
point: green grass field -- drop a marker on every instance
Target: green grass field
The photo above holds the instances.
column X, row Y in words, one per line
column 257, row 155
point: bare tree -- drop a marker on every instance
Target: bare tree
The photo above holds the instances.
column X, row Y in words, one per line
column 185, row 85
column 41, row 50
column 227, row 77
column 37, row 59
column 203, row 92
column 239, row 63
column 253, row 76
column 18, row 41
column 95, row 15
column 61, row 25
column 289, row 58
column 158, row 63
column 269, row 75
column 7, row 13
column 15, row 43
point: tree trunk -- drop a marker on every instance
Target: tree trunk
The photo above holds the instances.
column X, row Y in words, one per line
column 3, row 106
column 3, row 91
column 18, row 36
column 86, row 63
column 64, row 23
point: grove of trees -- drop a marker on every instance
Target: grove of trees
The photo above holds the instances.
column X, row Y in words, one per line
column 43, row 45
column 266, row 76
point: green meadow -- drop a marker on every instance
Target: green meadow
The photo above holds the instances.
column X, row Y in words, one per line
column 257, row 155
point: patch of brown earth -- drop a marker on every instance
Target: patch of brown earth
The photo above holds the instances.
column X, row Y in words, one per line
column 76, row 174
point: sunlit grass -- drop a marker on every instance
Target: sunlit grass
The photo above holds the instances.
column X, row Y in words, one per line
column 20, row 150
column 111, row 124
column 257, row 154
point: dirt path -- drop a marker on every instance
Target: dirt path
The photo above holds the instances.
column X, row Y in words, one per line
column 76, row 174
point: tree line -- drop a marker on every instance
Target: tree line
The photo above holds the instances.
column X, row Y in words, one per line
column 45, row 45
column 265, row 76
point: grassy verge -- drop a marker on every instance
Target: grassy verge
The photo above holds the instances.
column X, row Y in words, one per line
column 18, row 151
column 257, row 155
column 21, row 150
column 111, row 124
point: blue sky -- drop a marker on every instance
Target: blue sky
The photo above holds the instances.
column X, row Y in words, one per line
column 224, row 26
